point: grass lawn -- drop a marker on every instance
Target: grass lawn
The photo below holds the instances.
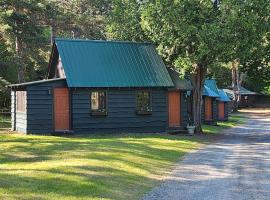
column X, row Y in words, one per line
column 5, row 121
column 234, row 120
column 94, row 167
column 118, row 167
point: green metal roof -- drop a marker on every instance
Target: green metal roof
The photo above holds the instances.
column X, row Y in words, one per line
column 94, row 63
column 244, row 91
column 223, row 96
column 179, row 83
column 210, row 88
column 208, row 92
column 36, row 82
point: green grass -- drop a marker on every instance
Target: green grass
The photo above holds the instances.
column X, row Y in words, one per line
column 116, row 167
column 5, row 121
column 234, row 120
column 94, row 167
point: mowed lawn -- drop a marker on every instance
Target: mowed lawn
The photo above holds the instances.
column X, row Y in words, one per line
column 94, row 167
column 121, row 166
column 234, row 120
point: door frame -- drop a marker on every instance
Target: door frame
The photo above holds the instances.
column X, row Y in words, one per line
column 168, row 114
column 70, row 108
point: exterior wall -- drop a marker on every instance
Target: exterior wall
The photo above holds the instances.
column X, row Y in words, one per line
column 184, row 109
column 18, row 119
column 13, row 111
column 214, row 109
column 250, row 102
column 40, row 107
column 226, row 111
column 227, row 107
column 121, row 113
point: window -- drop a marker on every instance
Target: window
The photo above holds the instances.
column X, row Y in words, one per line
column 21, row 101
column 98, row 103
column 143, row 102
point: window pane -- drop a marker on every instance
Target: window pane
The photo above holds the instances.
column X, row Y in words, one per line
column 94, row 100
column 98, row 101
column 143, row 101
column 102, row 100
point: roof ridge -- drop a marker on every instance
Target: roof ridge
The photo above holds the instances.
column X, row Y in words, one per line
column 101, row 41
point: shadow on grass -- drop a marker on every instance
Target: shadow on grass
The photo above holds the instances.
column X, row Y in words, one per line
column 89, row 167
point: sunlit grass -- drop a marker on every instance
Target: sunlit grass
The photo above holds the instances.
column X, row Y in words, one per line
column 234, row 120
column 94, row 167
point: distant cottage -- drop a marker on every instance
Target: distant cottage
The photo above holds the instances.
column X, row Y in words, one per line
column 101, row 87
column 215, row 103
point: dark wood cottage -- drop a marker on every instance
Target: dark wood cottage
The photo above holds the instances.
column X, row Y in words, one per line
column 223, row 105
column 101, row 87
column 209, row 108
column 247, row 99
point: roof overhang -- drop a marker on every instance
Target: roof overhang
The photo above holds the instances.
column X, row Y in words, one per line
column 24, row 85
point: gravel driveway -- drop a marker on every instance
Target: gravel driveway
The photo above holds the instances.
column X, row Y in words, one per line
column 236, row 167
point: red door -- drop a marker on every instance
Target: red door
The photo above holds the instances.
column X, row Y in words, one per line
column 221, row 110
column 174, row 108
column 208, row 109
column 61, row 109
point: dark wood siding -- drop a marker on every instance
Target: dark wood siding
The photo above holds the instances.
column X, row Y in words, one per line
column 40, row 107
column 122, row 115
column 184, row 109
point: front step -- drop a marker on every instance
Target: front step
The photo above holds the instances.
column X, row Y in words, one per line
column 62, row 133
column 176, row 130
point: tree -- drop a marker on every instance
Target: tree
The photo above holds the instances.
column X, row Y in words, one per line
column 185, row 32
column 245, row 25
column 124, row 21
column 23, row 31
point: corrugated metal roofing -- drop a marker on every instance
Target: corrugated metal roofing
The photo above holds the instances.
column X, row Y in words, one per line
column 89, row 63
column 208, row 92
column 211, row 83
column 210, row 88
column 244, row 91
column 36, row 82
column 179, row 83
column 223, row 96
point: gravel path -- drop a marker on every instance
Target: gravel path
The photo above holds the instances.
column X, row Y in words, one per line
column 236, row 167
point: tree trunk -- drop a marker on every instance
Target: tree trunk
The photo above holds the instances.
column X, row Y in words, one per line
column 53, row 31
column 21, row 71
column 18, row 49
column 235, row 85
column 198, row 85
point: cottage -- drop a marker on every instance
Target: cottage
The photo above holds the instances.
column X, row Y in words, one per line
column 223, row 105
column 248, row 98
column 209, row 108
column 101, row 87
column 179, row 102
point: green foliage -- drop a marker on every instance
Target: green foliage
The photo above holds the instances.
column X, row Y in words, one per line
column 4, row 93
column 185, row 31
column 222, row 73
column 124, row 21
column 79, row 18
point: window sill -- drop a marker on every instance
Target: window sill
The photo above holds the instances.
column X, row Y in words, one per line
column 143, row 112
column 99, row 113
